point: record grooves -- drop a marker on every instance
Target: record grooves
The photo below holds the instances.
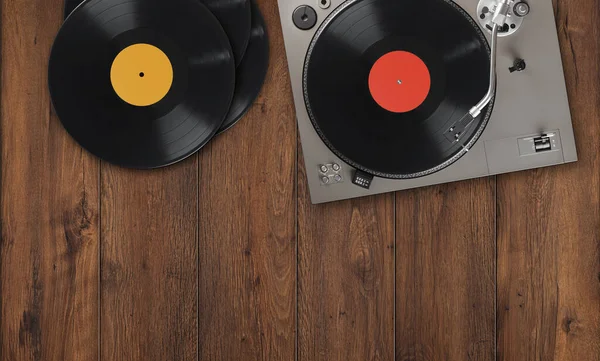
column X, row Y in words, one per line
column 235, row 17
column 251, row 73
column 379, row 135
column 191, row 62
column 71, row 5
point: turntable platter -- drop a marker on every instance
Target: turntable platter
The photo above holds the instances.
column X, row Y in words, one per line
column 383, row 81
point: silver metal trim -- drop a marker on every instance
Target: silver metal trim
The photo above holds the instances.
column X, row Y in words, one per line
column 476, row 110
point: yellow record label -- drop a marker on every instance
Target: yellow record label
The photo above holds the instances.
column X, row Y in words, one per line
column 141, row 75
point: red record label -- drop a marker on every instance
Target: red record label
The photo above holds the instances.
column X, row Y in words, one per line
column 399, row 81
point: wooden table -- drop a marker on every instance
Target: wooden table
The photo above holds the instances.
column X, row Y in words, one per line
column 222, row 257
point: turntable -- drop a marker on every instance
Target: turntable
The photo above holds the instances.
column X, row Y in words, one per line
column 398, row 94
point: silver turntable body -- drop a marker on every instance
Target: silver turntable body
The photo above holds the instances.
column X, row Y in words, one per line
column 530, row 126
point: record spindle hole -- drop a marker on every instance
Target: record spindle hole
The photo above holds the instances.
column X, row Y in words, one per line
column 142, row 74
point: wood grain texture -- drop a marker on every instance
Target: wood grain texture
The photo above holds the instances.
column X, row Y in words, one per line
column 222, row 257
column 149, row 255
column 445, row 273
column 247, row 233
column 549, row 222
column 345, row 278
column 49, row 197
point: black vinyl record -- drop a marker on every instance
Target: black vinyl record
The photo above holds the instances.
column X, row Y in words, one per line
column 251, row 73
column 142, row 83
column 431, row 52
column 235, row 17
column 71, row 5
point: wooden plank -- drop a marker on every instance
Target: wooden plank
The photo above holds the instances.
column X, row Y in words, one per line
column 445, row 274
column 549, row 223
column 149, row 263
column 247, row 234
column 49, row 204
column 345, row 278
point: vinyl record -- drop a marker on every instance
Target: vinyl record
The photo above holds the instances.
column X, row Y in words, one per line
column 142, row 83
column 71, row 5
column 384, row 79
column 251, row 73
column 235, row 17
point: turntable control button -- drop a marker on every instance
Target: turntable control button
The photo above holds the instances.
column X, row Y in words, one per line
column 304, row 17
column 362, row 179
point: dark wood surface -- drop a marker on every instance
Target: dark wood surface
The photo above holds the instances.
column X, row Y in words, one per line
column 222, row 257
column 445, row 272
column 49, row 189
column 149, row 263
column 247, row 224
column 549, row 222
column 345, row 278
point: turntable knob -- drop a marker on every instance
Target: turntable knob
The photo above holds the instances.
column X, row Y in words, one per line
column 304, row 17
column 519, row 65
column 521, row 9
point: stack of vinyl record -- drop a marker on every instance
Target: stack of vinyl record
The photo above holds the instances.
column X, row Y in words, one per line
column 147, row 83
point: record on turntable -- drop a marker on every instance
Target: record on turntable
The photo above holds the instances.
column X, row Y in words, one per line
column 392, row 95
column 142, row 83
column 384, row 80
